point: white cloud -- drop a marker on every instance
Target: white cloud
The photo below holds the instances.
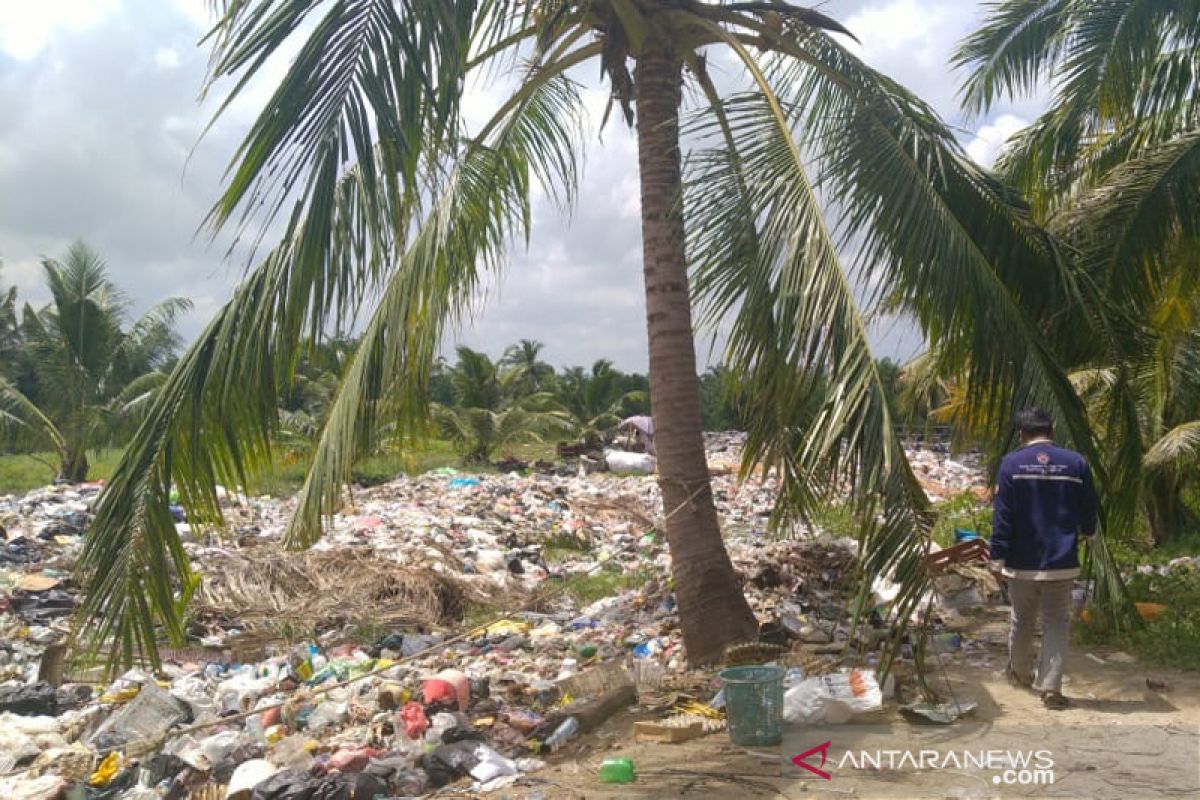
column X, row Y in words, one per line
column 911, row 41
column 27, row 26
column 166, row 58
column 195, row 12
column 989, row 140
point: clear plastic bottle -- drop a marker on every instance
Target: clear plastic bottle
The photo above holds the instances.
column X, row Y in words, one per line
column 567, row 730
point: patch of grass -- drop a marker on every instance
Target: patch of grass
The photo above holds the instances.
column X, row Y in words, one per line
column 1171, row 639
column 837, row 520
column 563, row 547
column 21, row 473
column 964, row 511
column 590, row 588
column 287, row 476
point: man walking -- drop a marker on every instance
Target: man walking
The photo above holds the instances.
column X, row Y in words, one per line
column 1045, row 501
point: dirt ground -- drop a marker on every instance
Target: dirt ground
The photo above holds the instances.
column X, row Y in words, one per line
column 1112, row 742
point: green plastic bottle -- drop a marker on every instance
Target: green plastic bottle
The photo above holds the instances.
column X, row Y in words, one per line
column 617, row 770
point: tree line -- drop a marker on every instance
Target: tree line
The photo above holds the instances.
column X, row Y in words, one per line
column 76, row 372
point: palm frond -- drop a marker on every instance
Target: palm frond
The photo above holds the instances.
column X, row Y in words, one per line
column 1127, row 227
column 17, row 410
column 817, row 405
column 351, row 231
column 1125, row 78
column 212, row 424
column 1177, row 450
column 1012, row 50
column 955, row 248
column 931, row 229
column 484, row 205
column 366, row 69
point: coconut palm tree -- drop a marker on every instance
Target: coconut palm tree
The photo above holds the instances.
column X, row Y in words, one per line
column 388, row 195
column 10, row 330
column 596, row 400
column 1113, row 168
column 531, row 374
column 91, row 371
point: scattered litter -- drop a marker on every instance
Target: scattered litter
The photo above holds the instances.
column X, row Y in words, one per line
column 924, row 712
column 349, row 670
column 832, row 699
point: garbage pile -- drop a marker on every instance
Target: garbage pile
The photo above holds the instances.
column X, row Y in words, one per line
column 943, row 476
column 350, row 670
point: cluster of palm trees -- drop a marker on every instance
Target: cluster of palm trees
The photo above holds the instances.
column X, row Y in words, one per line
column 1070, row 267
column 485, row 407
column 76, row 373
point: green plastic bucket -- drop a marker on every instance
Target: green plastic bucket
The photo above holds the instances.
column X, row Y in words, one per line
column 754, row 704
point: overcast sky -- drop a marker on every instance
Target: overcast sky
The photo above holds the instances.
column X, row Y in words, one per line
column 99, row 139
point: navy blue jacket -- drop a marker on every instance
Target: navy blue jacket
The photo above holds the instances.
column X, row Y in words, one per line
column 1045, row 501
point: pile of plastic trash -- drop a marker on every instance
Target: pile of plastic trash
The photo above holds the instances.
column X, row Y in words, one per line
column 303, row 682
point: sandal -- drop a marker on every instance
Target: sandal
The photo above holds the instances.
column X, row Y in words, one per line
column 1055, row 701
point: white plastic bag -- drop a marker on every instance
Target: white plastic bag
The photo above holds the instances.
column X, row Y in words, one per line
column 832, row 699
column 620, row 461
column 491, row 765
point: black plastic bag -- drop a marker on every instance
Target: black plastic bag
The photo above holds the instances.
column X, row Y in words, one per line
column 28, row 701
column 449, row 762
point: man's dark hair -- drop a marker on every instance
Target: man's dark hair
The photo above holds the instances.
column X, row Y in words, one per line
column 1035, row 422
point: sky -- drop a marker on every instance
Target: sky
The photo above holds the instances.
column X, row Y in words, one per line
column 100, row 139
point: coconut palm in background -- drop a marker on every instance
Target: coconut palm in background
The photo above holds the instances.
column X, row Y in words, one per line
column 10, row 334
column 597, row 400
column 91, row 371
column 524, row 360
column 388, row 195
column 1113, row 168
column 490, row 410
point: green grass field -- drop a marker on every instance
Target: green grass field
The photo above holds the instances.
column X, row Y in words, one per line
column 20, row 473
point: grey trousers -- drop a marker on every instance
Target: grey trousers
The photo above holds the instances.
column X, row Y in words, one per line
column 1051, row 600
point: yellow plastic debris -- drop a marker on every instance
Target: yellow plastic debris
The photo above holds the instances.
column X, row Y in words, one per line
column 109, row 768
column 121, row 695
column 507, row 627
column 698, row 709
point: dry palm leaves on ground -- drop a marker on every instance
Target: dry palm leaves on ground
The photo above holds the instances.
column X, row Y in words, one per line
column 273, row 589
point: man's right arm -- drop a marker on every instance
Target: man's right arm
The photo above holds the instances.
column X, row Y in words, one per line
column 1001, row 517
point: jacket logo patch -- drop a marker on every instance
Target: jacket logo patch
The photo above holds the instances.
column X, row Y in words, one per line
column 1043, row 458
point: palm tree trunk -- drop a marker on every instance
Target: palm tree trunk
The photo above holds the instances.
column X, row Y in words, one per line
column 74, row 467
column 1166, row 512
column 712, row 609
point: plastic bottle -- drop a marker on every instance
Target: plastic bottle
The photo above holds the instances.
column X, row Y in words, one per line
column 617, row 770
column 567, row 730
column 256, row 730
